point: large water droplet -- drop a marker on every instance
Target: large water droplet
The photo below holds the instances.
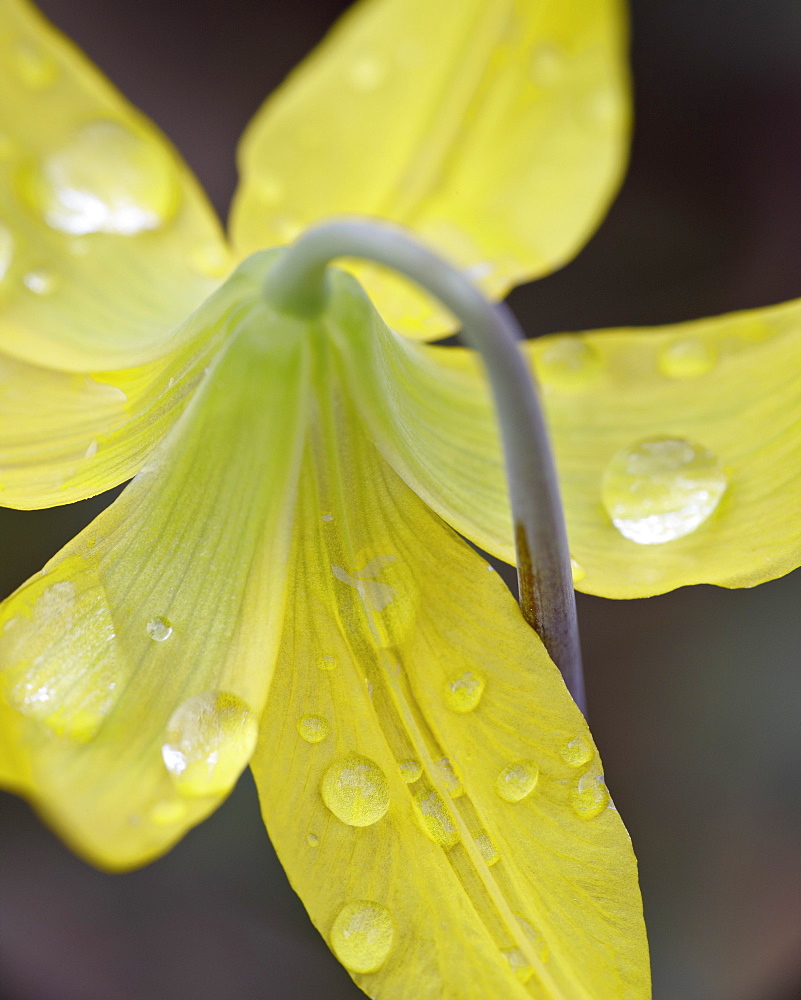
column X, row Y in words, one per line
column 208, row 741
column 435, row 817
column 463, row 693
column 410, row 770
column 661, row 489
column 517, row 780
column 6, row 250
column 576, row 752
column 590, row 796
column 489, row 852
column 313, row 728
column 356, row 791
column 107, row 179
column 159, row 629
column 361, row 936
column 687, row 357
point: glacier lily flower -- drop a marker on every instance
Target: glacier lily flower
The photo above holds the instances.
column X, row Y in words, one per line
column 278, row 585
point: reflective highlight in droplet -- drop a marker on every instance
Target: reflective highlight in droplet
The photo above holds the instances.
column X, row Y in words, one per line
column 41, row 281
column 435, row 817
column 362, row 935
column 687, row 357
column 661, row 489
column 576, row 752
column 107, row 179
column 410, row 770
column 6, row 250
column 159, row 629
column 577, row 570
column 517, row 780
column 590, row 796
column 356, row 791
column 518, row 964
column 313, row 728
column 463, row 693
column 489, row 852
column 208, row 742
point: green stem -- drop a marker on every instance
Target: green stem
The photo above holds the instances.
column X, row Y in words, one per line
column 297, row 284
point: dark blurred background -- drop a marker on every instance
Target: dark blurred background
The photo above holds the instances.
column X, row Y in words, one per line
column 694, row 696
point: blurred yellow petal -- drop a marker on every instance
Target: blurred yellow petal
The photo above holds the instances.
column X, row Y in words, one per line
column 688, row 436
column 65, row 436
column 495, row 130
column 106, row 241
column 430, row 787
column 137, row 663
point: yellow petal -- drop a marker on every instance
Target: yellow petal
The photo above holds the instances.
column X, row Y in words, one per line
column 705, row 416
column 106, row 241
column 431, row 789
column 496, row 131
column 136, row 664
column 65, row 436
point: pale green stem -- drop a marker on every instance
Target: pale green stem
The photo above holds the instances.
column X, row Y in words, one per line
column 297, row 284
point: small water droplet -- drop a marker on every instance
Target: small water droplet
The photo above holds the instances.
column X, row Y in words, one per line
column 606, row 109
column 6, row 250
column 567, row 363
column 547, row 64
column 167, row 812
column 327, row 662
column 463, row 693
column 41, row 281
column 489, row 852
column 207, row 743
column 517, row 780
column 91, row 449
column 211, row 259
column 159, row 629
column 577, row 570
column 106, row 179
column 313, row 728
column 435, row 817
column 269, row 189
column 576, row 752
column 518, row 964
column 367, row 73
column 447, row 775
column 361, row 936
column 34, row 67
column 356, row 791
column 312, row 840
column 590, row 796
column 661, row 489
column 687, row 357
column 326, row 517
column 410, row 770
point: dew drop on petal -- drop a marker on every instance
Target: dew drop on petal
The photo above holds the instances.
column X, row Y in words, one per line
column 356, row 791
column 410, row 770
column 463, row 692
column 6, row 250
column 313, row 728
column 435, row 818
column 661, row 489
column 568, row 363
column 590, row 796
column 327, row 662
column 687, row 357
column 446, row 774
column 367, row 73
column 517, row 780
column 312, row 840
column 107, row 179
column 489, row 852
column 361, row 936
column 41, row 281
column 518, row 963
column 547, row 64
column 34, row 67
column 159, row 629
column 207, row 743
column 576, row 752
column 577, row 570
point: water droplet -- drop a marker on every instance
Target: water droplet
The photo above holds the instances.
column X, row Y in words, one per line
column 590, row 796
column 567, row 363
column 327, row 662
column 361, row 936
column 463, row 693
column 34, row 67
column 435, row 818
column 517, row 780
column 211, row 259
column 547, row 64
column 91, row 449
column 661, row 489
column 518, row 964
column 576, row 752
column 269, row 189
column 489, row 852
column 107, row 179
column 410, row 770
column 326, row 517
column 313, row 728
column 312, row 840
column 687, row 357
column 208, row 741
column 447, row 775
column 41, row 281
column 367, row 73
column 6, row 250
column 167, row 812
column 606, row 109
column 159, row 629
column 577, row 570
column 356, row 791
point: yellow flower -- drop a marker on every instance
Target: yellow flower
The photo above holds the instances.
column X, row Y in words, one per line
column 277, row 586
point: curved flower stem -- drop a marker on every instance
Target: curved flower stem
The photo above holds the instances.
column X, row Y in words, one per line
column 297, row 284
